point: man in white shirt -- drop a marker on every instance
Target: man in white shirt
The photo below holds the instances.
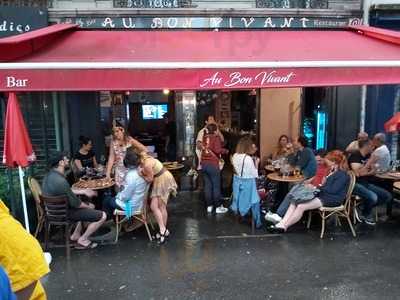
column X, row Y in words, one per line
column 199, row 140
column 353, row 146
column 380, row 158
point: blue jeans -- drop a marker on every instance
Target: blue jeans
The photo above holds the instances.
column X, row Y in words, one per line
column 283, row 207
column 372, row 195
column 109, row 205
column 212, row 184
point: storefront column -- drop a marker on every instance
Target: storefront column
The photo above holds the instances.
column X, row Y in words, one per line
column 185, row 116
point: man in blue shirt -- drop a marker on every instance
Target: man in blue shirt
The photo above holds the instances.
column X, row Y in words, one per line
column 303, row 158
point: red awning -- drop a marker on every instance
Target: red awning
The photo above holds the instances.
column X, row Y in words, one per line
column 63, row 57
column 393, row 124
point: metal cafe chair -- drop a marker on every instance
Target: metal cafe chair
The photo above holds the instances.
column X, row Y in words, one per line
column 339, row 211
column 36, row 192
column 56, row 214
column 143, row 216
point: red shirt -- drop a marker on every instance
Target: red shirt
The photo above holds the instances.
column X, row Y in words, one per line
column 322, row 171
column 213, row 149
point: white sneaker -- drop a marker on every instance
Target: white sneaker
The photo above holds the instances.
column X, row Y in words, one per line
column 48, row 258
column 273, row 218
column 221, row 210
column 210, row 209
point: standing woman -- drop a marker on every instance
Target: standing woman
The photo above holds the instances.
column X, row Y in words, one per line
column 210, row 155
column 85, row 157
column 163, row 186
column 120, row 142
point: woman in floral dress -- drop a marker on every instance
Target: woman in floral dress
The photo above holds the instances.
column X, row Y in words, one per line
column 120, row 142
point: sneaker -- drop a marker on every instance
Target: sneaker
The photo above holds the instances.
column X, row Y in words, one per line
column 210, row 209
column 273, row 218
column 369, row 221
column 221, row 210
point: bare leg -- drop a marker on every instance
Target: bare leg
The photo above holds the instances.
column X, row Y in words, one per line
column 300, row 209
column 92, row 227
column 288, row 214
column 164, row 212
column 77, row 232
column 155, row 208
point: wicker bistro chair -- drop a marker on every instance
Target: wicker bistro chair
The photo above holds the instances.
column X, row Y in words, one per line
column 36, row 192
column 56, row 214
column 142, row 216
column 339, row 211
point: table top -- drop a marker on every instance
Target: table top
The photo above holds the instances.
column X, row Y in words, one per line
column 276, row 177
column 173, row 166
column 94, row 184
column 269, row 168
column 397, row 185
column 389, row 175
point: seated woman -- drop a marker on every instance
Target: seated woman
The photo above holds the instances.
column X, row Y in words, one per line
column 132, row 196
column 331, row 193
column 85, row 157
column 303, row 158
column 244, row 194
column 283, row 149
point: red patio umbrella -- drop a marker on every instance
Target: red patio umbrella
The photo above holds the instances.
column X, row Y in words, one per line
column 393, row 124
column 18, row 150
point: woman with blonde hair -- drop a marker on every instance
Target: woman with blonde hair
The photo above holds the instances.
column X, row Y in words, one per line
column 331, row 193
column 242, row 160
column 120, row 142
column 163, row 186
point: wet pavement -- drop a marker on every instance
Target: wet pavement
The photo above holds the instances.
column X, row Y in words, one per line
column 215, row 257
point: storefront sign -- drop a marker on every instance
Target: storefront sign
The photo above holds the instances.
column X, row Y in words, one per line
column 211, row 22
column 17, row 20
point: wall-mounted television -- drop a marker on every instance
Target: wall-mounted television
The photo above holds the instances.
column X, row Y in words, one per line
column 154, row 111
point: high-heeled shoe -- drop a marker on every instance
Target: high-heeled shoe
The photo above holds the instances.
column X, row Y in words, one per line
column 166, row 234
column 163, row 236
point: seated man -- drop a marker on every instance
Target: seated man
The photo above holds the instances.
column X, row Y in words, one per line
column 315, row 182
column 54, row 184
column 22, row 258
column 303, row 158
column 380, row 158
column 131, row 198
column 371, row 194
column 353, row 146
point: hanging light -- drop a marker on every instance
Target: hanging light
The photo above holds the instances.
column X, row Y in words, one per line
column 166, row 91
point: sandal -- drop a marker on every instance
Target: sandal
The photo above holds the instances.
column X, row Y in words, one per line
column 162, row 236
column 91, row 245
column 166, row 234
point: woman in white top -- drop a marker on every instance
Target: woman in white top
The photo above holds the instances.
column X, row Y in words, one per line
column 242, row 160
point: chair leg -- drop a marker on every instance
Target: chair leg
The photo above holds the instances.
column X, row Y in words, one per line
column 148, row 230
column 46, row 236
column 354, row 215
column 351, row 226
column 323, row 225
column 252, row 225
column 376, row 214
column 68, row 249
column 309, row 220
column 338, row 221
column 117, row 228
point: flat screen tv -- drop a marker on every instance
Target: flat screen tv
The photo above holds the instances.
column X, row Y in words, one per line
column 154, row 111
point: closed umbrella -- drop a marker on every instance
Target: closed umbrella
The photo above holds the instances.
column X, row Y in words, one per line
column 18, row 150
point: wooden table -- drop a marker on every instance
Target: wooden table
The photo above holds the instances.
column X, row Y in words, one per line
column 289, row 179
column 269, row 168
column 389, row 176
column 396, row 185
column 387, row 181
column 175, row 169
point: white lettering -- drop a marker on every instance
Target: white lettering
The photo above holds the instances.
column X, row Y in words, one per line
column 157, row 23
column 108, row 22
column 187, row 23
column 273, row 77
column 236, row 78
column 172, row 22
column 211, row 81
column 19, row 28
column 216, row 22
column 304, row 22
column 130, row 23
column 287, row 23
column 268, row 23
column 14, row 82
column 247, row 23
column 230, row 23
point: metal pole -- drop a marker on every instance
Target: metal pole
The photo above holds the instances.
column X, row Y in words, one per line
column 21, row 181
column 365, row 7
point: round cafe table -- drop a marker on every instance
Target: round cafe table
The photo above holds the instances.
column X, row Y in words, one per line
column 289, row 179
column 387, row 181
column 93, row 184
column 175, row 169
column 269, row 168
column 396, row 185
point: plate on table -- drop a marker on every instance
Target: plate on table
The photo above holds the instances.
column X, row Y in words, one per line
column 94, row 184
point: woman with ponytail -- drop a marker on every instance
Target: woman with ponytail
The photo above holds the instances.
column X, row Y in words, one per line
column 331, row 193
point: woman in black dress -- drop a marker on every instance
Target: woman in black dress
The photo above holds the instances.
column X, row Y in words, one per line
column 85, row 157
